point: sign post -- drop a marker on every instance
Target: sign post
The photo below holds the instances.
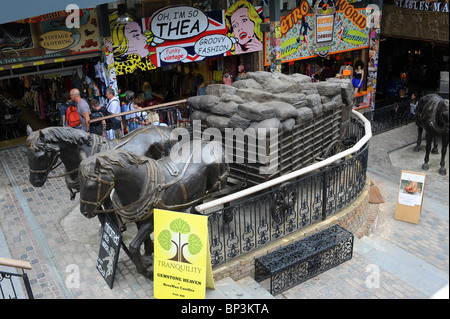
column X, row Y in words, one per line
column 182, row 265
column 109, row 252
column 410, row 197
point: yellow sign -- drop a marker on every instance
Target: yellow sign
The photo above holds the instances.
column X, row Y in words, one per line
column 182, row 266
column 57, row 40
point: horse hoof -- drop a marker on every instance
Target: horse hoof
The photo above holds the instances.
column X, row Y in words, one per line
column 417, row 149
column 435, row 151
column 149, row 275
column 147, row 260
column 442, row 171
column 425, row 167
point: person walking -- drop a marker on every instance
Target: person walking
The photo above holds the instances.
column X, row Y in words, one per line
column 113, row 107
column 82, row 107
column 63, row 108
column 97, row 111
column 413, row 106
column 133, row 105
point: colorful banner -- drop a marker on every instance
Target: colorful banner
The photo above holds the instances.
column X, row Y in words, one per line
column 48, row 37
column 329, row 30
column 182, row 264
column 183, row 34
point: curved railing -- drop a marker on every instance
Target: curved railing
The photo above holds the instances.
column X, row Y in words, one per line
column 246, row 220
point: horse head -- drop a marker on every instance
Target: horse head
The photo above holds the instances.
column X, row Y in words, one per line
column 96, row 184
column 42, row 157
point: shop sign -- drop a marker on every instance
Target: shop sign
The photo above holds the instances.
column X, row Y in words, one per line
column 324, row 30
column 182, row 264
column 183, row 34
column 59, row 40
column 354, row 15
column 108, row 254
column 355, row 37
column 294, row 17
column 177, row 23
column 329, row 30
column 422, row 5
column 23, row 43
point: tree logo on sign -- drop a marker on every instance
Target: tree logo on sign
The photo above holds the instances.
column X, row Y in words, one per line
column 167, row 241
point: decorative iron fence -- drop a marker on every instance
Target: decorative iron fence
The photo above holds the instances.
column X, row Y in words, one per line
column 10, row 288
column 250, row 223
column 390, row 116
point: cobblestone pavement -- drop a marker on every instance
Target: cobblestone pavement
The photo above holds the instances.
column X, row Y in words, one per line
column 42, row 226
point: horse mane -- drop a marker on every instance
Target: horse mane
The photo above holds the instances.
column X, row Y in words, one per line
column 52, row 135
column 105, row 161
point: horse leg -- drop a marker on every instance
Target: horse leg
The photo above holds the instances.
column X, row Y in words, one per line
column 144, row 231
column 445, row 138
column 148, row 247
column 428, row 138
column 435, row 145
column 419, row 139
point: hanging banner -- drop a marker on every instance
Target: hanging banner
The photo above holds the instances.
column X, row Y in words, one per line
column 334, row 27
column 183, row 34
column 182, row 264
column 48, row 36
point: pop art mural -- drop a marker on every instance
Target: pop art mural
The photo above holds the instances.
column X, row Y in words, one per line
column 183, row 34
column 334, row 26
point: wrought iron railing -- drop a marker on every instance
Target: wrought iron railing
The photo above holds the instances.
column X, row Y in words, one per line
column 10, row 287
column 245, row 225
column 390, row 116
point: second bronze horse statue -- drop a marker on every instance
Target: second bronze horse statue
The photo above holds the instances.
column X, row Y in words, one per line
column 141, row 184
column 432, row 115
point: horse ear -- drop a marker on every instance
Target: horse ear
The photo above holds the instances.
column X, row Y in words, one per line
column 83, row 155
column 41, row 135
column 29, row 130
column 98, row 164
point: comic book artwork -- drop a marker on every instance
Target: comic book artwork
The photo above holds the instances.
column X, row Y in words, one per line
column 183, row 34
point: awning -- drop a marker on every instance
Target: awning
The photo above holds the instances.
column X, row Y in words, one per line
column 22, row 9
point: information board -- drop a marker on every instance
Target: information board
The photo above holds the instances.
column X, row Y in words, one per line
column 182, row 267
column 109, row 252
column 410, row 197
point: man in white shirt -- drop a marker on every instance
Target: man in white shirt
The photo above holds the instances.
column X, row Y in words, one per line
column 113, row 107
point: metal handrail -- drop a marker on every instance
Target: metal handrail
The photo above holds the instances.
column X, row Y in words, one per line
column 157, row 106
column 282, row 179
column 13, row 263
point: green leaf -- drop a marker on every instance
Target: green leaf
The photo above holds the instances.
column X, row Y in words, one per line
column 180, row 226
column 195, row 244
column 165, row 239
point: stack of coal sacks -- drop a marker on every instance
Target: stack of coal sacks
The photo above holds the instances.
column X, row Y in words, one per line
column 288, row 103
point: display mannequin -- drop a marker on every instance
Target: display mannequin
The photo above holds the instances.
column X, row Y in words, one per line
column 241, row 73
column 346, row 70
column 358, row 76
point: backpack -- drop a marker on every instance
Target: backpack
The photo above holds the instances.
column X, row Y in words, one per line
column 72, row 116
column 112, row 123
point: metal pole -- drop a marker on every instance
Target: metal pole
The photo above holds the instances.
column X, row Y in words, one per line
column 275, row 36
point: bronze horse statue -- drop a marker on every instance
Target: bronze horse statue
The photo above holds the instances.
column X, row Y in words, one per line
column 47, row 146
column 141, row 184
column 432, row 115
